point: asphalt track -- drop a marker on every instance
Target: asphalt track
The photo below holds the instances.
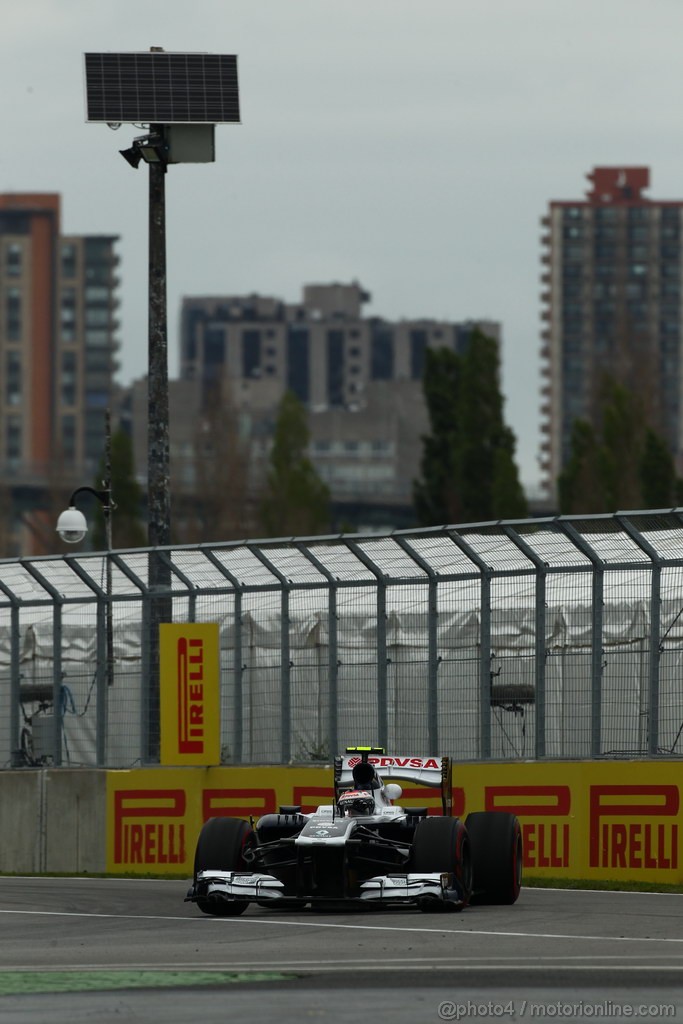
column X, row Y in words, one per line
column 554, row 955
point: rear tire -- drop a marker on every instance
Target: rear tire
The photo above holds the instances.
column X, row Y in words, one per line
column 220, row 847
column 496, row 839
column 440, row 845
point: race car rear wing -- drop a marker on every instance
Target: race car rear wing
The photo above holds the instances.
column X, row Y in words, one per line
column 434, row 772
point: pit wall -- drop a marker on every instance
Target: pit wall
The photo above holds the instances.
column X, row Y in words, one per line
column 619, row 821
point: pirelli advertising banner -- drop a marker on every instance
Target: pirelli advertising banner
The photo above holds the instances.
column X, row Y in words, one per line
column 189, row 657
column 621, row 820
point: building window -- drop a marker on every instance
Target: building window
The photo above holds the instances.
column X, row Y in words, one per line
column 382, row 354
column 335, row 367
column 13, row 441
column 13, row 314
column 68, row 260
column 13, row 378
column 68, row 378
column 97, row 338
column 418, row 347
column 214, row 350
column 67, row 314
column 96, row 317
column 13, row 260
column 97, row 361
column 298, row 362
column 251, row 353
column 97, row 294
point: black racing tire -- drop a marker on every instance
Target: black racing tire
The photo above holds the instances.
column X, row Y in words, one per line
column 496, row 839
column 220, row 847
column 442, row 844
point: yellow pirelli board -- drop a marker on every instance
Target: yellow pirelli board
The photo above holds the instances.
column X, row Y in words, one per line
column 189, row 693
column 616, row 821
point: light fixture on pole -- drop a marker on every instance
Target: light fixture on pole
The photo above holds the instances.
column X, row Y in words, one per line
column 72, row 525
column 178, row 98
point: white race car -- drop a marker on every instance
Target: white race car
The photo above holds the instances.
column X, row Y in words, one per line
column 361, row 848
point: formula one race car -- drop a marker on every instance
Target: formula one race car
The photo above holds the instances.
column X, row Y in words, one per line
column 362, row 848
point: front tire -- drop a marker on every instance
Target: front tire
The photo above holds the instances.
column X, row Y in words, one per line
column 496, row 839
column 440, row 845
column 220, row 847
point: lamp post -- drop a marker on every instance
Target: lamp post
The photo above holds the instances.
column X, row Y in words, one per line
column 179, row 97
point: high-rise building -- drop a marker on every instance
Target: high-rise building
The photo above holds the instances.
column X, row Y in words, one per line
column 58, row 344
column 612, row 277
column 360, row 378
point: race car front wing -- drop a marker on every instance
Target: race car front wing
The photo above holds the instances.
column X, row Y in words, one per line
column 415, row 888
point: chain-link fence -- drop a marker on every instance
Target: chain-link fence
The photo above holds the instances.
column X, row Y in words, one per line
column 555, row 638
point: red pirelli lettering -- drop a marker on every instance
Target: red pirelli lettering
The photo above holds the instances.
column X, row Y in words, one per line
column 632, row 842
column 556, row 800
column 157, row 840
column 217, row 803
column 190, row 675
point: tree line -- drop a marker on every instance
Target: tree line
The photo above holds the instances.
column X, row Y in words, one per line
column 468, row 472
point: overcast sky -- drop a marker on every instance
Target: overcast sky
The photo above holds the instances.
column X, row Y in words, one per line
column 412, row 145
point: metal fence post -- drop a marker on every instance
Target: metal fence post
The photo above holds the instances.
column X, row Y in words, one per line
column 597, row 616
column 145, row 655
column 382, row 655
column 285, row 657
column 57, row 706
column 432, row 643
column 486, row 572
column 654, row 653
column 105, row 666
column 237, row 661
column 15, row 676
column 332, row 649
column 539, row 637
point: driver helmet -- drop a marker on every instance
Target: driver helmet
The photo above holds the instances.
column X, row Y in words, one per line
column 356, row 802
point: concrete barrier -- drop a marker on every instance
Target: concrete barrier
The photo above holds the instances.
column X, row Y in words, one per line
column 53, row 820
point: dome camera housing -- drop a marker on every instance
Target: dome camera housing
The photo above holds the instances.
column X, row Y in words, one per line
column 72, row 526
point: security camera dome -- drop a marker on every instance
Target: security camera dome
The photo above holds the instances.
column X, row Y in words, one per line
column 72, row 526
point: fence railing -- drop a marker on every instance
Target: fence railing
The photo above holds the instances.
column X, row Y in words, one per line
column 549, row 638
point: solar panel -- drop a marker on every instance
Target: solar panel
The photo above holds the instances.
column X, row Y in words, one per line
column 162, row 88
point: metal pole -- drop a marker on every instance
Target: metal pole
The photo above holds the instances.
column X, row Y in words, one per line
column 103, row 695
column 158, row 493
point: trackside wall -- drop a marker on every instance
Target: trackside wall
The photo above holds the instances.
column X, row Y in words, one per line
column 618, row 821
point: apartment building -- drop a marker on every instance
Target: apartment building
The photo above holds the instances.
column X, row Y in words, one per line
column 58, row 345
column 611, row 277
column 359, row 376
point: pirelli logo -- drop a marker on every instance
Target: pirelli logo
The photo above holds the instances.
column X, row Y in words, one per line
column 149, row 827
column 190, row 685
column 190, row 672
column 634, row 826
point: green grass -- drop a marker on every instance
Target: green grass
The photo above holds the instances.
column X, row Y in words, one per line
column 14, row 983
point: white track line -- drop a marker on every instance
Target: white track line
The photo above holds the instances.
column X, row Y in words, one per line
column 266, row 922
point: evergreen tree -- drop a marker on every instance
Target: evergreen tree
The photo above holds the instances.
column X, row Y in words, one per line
column 620, row 464
column 468, row 468
column 128, row 530
column 296, row 501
